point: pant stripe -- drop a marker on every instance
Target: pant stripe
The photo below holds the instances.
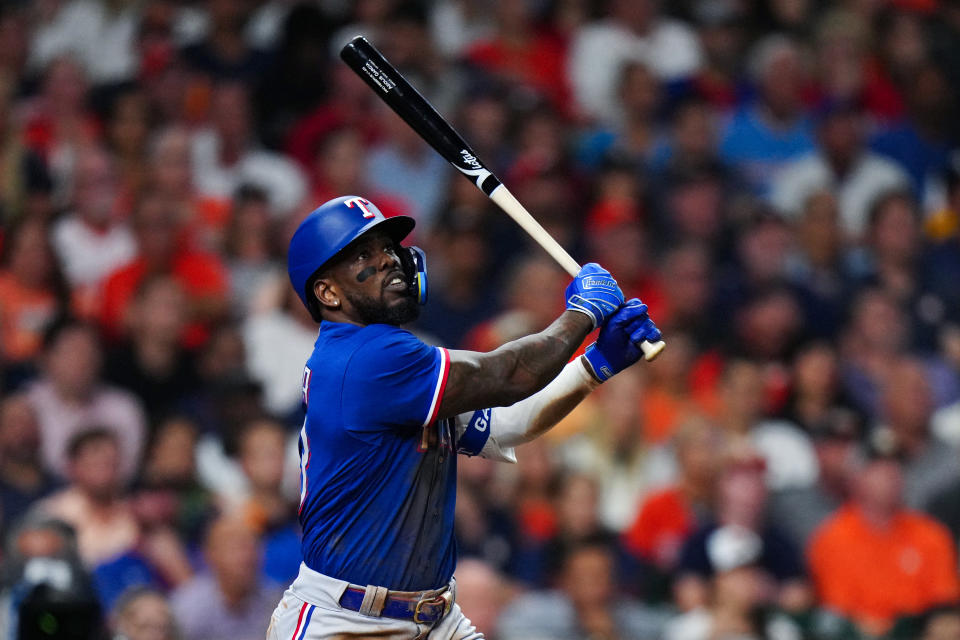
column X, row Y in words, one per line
column 306, row 623
column 299, row 622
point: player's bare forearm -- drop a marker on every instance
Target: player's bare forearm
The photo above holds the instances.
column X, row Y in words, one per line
column 515, row 370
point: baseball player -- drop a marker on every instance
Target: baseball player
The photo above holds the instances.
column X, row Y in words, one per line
column 386, row 415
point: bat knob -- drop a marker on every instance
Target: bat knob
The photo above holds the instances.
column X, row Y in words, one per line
column 652, row 349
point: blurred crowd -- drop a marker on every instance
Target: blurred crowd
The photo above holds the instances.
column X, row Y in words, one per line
column 776, row 179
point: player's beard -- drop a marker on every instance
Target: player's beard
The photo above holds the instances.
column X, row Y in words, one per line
column 373, row 311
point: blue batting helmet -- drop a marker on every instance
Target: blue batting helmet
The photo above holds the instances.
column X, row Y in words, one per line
column 331, row 227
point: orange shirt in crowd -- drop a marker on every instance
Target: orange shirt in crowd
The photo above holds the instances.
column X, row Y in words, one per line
column 663, row 524
column 873, row 576
column 24, row 313
column 201, row 276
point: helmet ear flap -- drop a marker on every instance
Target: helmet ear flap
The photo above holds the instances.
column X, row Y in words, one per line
column 414, row 263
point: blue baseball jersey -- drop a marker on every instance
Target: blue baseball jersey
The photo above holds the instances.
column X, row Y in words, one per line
column 377, row 469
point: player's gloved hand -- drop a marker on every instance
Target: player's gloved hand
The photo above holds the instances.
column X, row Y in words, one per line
column 595, row 293
column 618, row 345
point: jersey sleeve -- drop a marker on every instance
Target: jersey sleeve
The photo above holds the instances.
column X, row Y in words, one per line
column 475, row 436
column 394, row 381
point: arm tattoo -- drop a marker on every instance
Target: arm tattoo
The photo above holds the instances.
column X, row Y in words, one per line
column 513, row 371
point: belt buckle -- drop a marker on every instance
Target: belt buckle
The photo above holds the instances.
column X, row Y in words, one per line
column 446, row 597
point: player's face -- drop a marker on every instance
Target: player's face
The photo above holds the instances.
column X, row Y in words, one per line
column 373, row 282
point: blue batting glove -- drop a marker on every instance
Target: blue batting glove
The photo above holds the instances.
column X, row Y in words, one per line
column 595, row 293
column 618, row 345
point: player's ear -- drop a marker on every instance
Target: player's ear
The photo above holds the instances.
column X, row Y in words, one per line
column 327, row 293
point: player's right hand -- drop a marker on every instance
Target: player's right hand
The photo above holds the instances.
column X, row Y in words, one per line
column 618, row 345
column 595, row 293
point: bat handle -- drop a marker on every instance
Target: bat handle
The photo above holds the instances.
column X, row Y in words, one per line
column 652, row 349
column 512, row 207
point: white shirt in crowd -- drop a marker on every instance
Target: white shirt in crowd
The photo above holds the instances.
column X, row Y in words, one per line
column 89, row 255
column 869, row 177
column 273, row 340
column 91, row 32
column 283, row 181
column 600, row 49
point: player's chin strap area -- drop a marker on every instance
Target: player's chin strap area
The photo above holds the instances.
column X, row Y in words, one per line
column 414, row 262
column 422, row 607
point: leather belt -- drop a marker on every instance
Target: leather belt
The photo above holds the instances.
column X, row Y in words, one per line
column 422, row 607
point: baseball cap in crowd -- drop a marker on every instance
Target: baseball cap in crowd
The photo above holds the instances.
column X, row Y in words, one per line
column 838, row 424
column 731, row 547
column 882, row 444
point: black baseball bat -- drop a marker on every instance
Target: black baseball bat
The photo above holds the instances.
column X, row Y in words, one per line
column 419, row 114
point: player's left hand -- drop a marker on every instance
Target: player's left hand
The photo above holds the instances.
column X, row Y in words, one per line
column 618, row 345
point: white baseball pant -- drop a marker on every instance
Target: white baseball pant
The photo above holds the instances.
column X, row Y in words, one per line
column 310, row 610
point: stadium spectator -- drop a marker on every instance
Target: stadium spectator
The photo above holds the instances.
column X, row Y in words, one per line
column 920, row 143
column 636, row 133
column 687, row 268
column 126, row 134
column 223, row 52
column 162, row 253
column 100, row 36
column 403, row 165
column 738, row 605
column 668, row 397
column 484, row 524
column 800, row 510
column 166, row 469
column 171, row 182
column 631, row 30
column 94, row 239
column 69, row 396
column 263, row 447
column 32, row 291
column 668, row 516
column 229, row 601
column 526, row 304
column 151, row 363
column 841, row 163
column 461, row 252
column 94, row 502
column 816, row 395
column 249, row 244
column 339, row 165
column 275, row 333
column 143, row 613
column 225, row 155
column 613, row 450
column 928, row 463
column 58, row 124
column 523, row 57
column 745, row 399
column 23, row 478
column 482, row 593
column 897, row 266
column 764, row 136
column 722, row 33
column 742, row 502
column 585, row 604
column 874, row 559
column 817, row 267
column 25, row 189
column 296, row 79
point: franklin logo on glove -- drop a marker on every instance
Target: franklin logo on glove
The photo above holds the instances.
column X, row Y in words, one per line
column 599, row 283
